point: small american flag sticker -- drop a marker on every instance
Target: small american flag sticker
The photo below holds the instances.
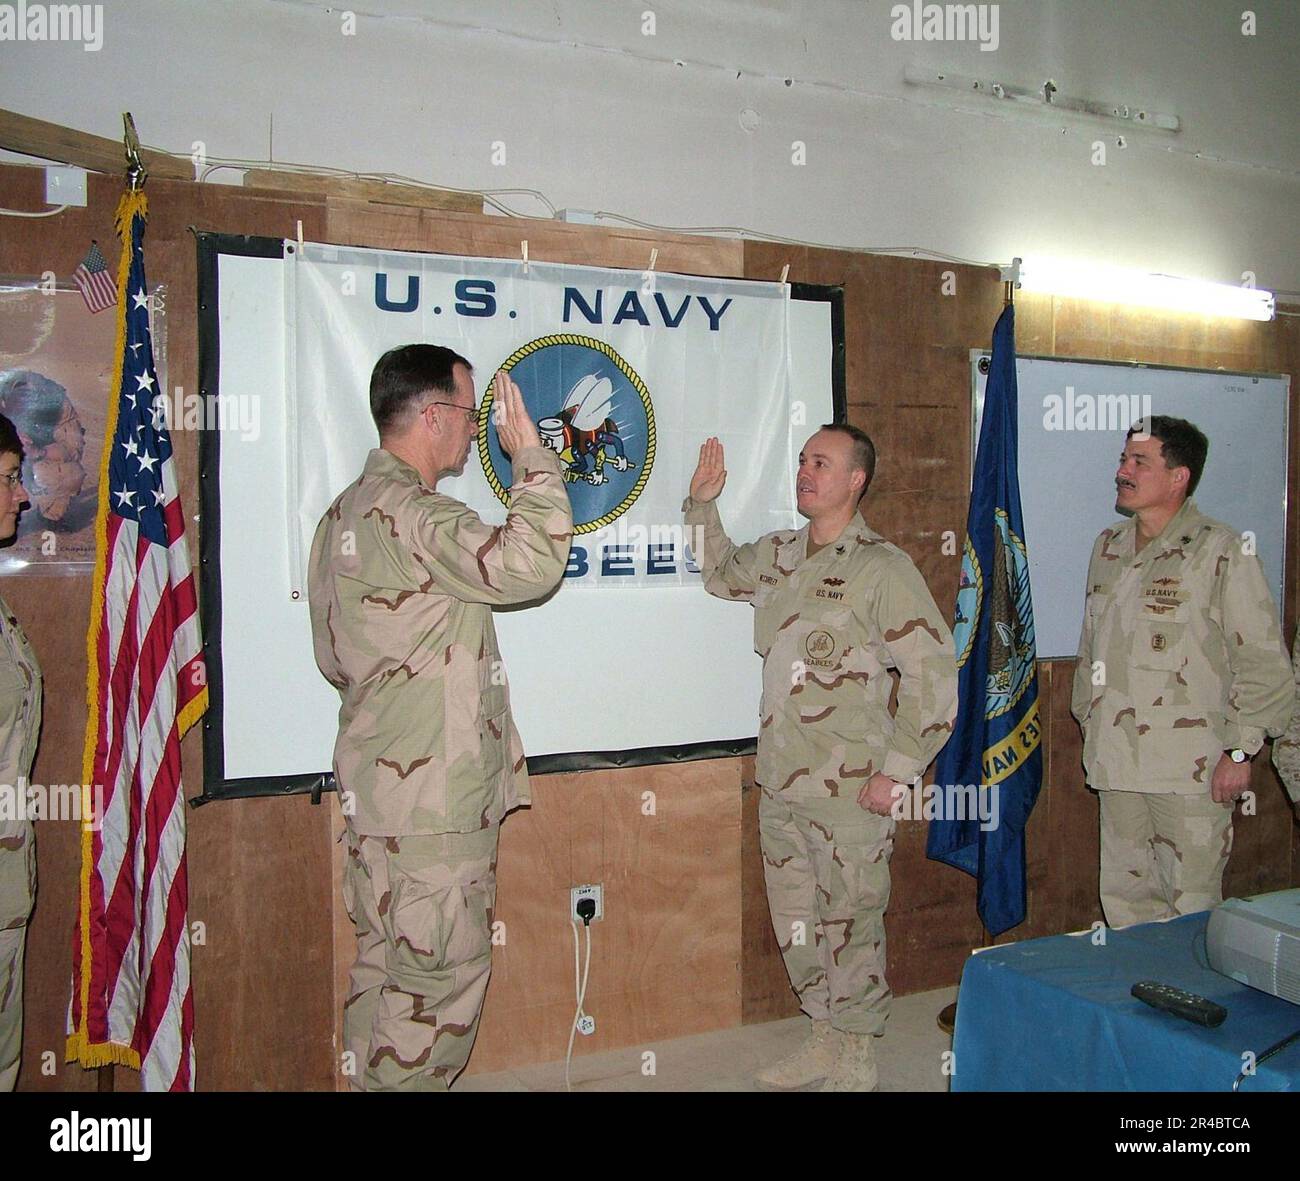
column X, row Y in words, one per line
column 94, row 282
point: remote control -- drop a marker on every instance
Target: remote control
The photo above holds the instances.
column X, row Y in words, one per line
column 1180, row 1003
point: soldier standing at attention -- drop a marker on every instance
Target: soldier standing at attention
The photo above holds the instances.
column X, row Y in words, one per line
column 835, row 607
column 401, row 584
column 1181, row 673
column 20, row 723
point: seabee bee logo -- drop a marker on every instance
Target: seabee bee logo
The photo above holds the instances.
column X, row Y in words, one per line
column 584, row 435
column 594, row 411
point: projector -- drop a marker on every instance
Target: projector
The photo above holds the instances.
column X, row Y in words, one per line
column 1256, row 941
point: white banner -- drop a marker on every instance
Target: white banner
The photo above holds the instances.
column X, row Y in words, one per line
column 625, row 372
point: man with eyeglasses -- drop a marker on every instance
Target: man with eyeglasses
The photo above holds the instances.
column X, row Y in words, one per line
column 402, row 580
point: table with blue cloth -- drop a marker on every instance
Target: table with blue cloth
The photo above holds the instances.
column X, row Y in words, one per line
column 1055, row 1014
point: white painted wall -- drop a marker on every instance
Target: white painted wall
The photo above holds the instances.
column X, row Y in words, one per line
column 597, row 115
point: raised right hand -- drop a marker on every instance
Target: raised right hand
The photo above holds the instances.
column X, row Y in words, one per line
column 515, row 430
column 710, row 473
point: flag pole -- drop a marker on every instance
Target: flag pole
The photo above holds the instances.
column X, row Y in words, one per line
column 136, row 175
column 1010, row 275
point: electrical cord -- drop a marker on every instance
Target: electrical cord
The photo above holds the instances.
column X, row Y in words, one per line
column 580, row 987
column 489, row 195
column 1275, row 1048
column 759, row 236
column 23, row 213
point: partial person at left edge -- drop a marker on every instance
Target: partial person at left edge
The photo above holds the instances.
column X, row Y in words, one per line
column 20, row 724
column 402, row 582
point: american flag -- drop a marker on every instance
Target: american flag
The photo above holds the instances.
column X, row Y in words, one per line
column 94, row 282
column 132, row 1001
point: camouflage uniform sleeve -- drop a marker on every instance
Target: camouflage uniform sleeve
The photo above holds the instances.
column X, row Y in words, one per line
column 1262, row 694
column 920, row 647
column 1286, row 750
column 730, row 571
column 1081, row 692
column 500, row 564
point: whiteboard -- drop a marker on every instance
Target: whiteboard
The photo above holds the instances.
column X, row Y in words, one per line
column 1073, row 419
column 678, row 668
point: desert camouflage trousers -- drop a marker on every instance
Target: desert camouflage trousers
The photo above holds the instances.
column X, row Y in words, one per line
column 422, row 906
column 11, row 1005
column 1162, row 854
column 826, row 863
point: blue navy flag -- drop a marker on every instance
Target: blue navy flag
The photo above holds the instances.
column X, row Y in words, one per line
column 996, row 737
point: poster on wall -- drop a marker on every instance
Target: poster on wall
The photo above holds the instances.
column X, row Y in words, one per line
column 56, row 362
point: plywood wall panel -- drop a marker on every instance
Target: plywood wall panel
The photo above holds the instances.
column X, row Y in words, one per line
column 665, row 958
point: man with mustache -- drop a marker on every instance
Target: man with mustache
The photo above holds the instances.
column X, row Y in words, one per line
column 1181, row 674
column 836, row 607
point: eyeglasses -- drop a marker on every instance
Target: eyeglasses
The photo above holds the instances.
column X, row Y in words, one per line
column 12, row 478
column 470, row 412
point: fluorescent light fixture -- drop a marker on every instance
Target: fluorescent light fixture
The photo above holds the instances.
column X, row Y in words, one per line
column 1115, row 285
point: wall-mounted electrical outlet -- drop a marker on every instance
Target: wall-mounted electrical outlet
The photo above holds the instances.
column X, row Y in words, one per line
column 578, row 893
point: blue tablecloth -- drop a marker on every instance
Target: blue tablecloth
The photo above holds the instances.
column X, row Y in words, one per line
column 1055, row 1014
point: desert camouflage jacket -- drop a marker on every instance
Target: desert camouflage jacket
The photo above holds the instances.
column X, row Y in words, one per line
column 401, row 582
column 20, row 724
column 1181, row 656
column 829, row 628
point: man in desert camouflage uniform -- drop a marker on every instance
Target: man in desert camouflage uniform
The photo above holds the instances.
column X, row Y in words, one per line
column 20, row 723
column 1181, row 674
column 835, row 608
column 402, row 580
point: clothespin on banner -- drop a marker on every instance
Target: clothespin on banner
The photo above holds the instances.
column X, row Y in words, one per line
column 785, row 273
column 654, row 258
column 523, row 249
column 299, row 237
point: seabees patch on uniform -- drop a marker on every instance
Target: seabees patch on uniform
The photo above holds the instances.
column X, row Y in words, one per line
column 820, row 646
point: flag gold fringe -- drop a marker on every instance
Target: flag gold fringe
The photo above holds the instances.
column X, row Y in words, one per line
column 79, row 1046
column 192, row 712
column 99, row 1054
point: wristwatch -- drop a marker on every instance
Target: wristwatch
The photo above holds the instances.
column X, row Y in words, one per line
column 1237, row 755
